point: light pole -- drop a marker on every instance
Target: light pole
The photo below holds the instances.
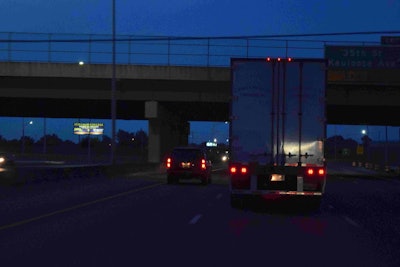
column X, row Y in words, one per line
column 113, row 88
column 386, row 149
column 44, row 136
column 365, row 135
column 23, row 133
column 335, row 144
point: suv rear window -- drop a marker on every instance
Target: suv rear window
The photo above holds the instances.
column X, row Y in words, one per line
column 186, row 154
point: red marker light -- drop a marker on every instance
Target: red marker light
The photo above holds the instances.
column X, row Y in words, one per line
column 279, row 59
column 321, row 172
column 268, row 59
column 243, row 170
column 289, row 59
column 310, row 171
column 233, row 170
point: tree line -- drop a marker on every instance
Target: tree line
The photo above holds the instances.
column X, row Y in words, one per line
column 137, row 139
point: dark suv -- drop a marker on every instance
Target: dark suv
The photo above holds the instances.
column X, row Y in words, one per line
column 188, row 163
column 8, row 169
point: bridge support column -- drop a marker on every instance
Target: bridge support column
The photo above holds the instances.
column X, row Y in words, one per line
column 165, row 131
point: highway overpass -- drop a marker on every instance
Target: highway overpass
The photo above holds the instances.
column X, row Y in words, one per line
column 170, row 96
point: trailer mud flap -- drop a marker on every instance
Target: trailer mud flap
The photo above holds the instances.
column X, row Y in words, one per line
column 300, row 184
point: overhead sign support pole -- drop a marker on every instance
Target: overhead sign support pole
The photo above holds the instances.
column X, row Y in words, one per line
column 113, row 88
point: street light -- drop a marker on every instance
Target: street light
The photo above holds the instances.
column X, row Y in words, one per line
column 23, row 133
column 44, row 136
column 365, row 142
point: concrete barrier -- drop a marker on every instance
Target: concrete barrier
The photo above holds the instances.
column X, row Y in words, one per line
column 38, row 174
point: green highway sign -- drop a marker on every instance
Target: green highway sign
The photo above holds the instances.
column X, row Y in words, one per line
column 390, row 40
column 363, row 57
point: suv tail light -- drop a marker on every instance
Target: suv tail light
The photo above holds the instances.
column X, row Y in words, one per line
column 169, row 162
column 203, row 164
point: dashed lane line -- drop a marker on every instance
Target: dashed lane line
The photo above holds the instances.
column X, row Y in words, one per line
column 12, row 225
column 346, row 218
column 350, row 221
column 195, row 219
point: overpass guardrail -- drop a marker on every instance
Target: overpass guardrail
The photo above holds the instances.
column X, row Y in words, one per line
column 162, row 50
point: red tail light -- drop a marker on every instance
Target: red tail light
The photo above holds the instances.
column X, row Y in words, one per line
column 233, row 170
column 203, row 164
column 240, row 176
column 243, row 170
column 315, row 171
column 169, row 162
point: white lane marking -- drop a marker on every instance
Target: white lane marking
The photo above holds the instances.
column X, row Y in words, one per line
column 195, row 219
column 3, row 227
column 350, row 221
column 219, row 196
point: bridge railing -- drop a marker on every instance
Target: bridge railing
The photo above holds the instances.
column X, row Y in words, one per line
column 153, row 50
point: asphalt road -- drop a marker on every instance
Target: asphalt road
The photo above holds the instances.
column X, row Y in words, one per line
column 139, row 220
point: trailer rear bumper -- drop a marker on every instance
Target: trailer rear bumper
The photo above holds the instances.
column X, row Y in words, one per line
column 269, row 192
column 278, row 199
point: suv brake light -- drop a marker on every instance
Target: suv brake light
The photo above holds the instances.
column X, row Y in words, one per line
column 169, row 161
column 203, row 164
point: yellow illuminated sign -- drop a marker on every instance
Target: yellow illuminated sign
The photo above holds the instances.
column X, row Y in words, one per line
column 92, row 128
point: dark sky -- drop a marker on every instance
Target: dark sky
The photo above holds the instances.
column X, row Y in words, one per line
column 199, row 17
column 211, row 18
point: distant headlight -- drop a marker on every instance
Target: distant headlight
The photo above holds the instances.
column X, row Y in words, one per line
column 2, row 160
column 224, row 158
